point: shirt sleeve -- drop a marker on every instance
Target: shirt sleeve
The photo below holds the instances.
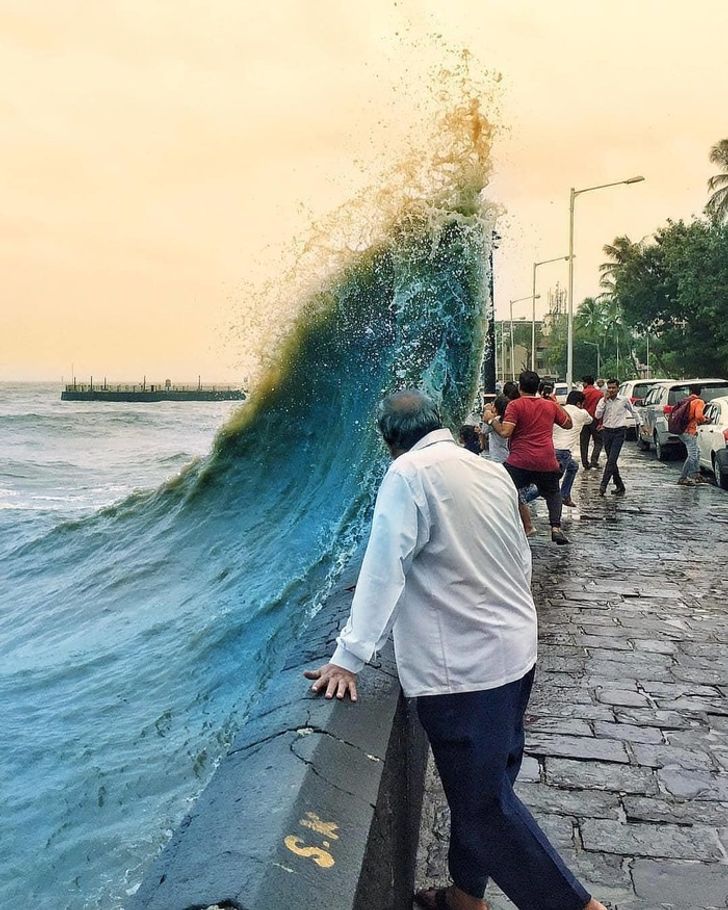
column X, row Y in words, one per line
column 586, row 417
column 399, row 530
column 699, row 408
column 511, row 414
column 561, row 416
column 601, row 405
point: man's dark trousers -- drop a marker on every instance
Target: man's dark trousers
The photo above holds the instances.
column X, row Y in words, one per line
column 477, row 741
column 589, row 432
column 613, row 442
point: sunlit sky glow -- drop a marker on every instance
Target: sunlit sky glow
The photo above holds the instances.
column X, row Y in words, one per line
column 156, row 156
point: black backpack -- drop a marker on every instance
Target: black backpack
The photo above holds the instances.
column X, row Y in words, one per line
column 679, row 417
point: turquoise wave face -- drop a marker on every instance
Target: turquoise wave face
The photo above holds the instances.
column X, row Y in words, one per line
column 132, row 642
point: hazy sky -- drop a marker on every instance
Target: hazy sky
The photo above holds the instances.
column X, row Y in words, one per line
column 156, row 155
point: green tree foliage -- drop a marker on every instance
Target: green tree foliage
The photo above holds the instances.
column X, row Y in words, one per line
column 717, row 207
column 676, row 288
column 598, row 321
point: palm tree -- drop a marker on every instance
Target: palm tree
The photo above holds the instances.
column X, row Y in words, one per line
column 619, row 252
column 717, row 206
column 591, row 316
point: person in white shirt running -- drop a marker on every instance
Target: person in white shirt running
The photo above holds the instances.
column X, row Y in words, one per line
column 567, row 442
column 448, row 570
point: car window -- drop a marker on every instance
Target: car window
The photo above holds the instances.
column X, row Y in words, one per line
column 710, row 413
column 652, row 396
column 677, row 393
column 641, row 389
column 710, row 392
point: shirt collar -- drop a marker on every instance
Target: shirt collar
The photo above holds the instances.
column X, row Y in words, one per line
column 443, row 435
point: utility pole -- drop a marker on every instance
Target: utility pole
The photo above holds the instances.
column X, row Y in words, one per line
column 489, row 355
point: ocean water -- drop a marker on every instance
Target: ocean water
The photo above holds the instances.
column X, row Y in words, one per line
column 152, row 577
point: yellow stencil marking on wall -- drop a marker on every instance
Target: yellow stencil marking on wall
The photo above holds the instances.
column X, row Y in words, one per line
column 321, row 857
column 313, row 822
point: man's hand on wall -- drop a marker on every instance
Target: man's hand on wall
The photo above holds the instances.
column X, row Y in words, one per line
column 333, row 681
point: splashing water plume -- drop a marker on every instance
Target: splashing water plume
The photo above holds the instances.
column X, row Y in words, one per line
column 137, row 637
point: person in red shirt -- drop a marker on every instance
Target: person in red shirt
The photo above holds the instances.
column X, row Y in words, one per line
column 528, row 424
column 592, row 397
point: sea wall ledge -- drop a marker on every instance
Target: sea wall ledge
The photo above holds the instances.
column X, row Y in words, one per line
column 317, row 802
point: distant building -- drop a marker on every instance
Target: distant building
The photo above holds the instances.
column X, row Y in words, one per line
column 511, row 359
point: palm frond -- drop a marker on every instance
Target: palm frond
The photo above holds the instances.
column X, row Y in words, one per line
column 717, row 182
column 719, row 153
column 717, row 206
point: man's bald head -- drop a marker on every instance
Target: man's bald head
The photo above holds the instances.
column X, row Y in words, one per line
column 406, row 417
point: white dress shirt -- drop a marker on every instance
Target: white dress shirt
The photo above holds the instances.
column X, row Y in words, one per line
column 613, row 412
column 448, row 571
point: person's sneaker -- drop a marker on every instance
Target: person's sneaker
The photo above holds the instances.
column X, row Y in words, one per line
column 569, row 502
column 700, row 479
column 602, row 491
column 619, row 491
column 686, row 482
column 558, row 536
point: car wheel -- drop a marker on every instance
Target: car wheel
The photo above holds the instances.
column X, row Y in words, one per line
column 662, row 452
column 720, row 468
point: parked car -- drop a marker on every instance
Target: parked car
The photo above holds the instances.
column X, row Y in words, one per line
column 636, row 390
column 659, row 403
column 561, row 391
column 641, row 409
column 713, row 441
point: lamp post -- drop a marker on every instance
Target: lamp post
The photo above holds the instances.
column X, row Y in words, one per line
column 570, row 324
column 503, row 349
column 519, row 300
column 647, row 336
column 594, row 344
column 533, row 310
column 489, row 353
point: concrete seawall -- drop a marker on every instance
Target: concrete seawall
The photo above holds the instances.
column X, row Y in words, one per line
column 317, row 802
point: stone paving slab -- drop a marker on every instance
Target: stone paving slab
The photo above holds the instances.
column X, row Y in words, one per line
column 680, row 882
column 627, row 729
column 639, row 839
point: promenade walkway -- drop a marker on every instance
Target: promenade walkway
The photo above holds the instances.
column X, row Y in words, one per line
column 627, row 749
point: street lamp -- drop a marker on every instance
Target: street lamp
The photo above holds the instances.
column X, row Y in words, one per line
column 570, row 325
column 489, row 352
column 533, row 311
column 594, row 344
column 519, row 300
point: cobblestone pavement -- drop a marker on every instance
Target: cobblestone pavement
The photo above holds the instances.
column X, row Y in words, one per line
column 627, row 748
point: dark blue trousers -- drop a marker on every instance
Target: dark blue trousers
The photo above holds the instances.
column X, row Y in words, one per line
column 477, row 741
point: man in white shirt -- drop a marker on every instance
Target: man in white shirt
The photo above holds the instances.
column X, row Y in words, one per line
column 448, row 570
column 612, row 412
column 567, row 443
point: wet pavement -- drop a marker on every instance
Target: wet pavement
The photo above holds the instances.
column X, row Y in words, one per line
column 626, row 763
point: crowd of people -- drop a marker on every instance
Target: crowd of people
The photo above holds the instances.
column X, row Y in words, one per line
column 540, row 442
